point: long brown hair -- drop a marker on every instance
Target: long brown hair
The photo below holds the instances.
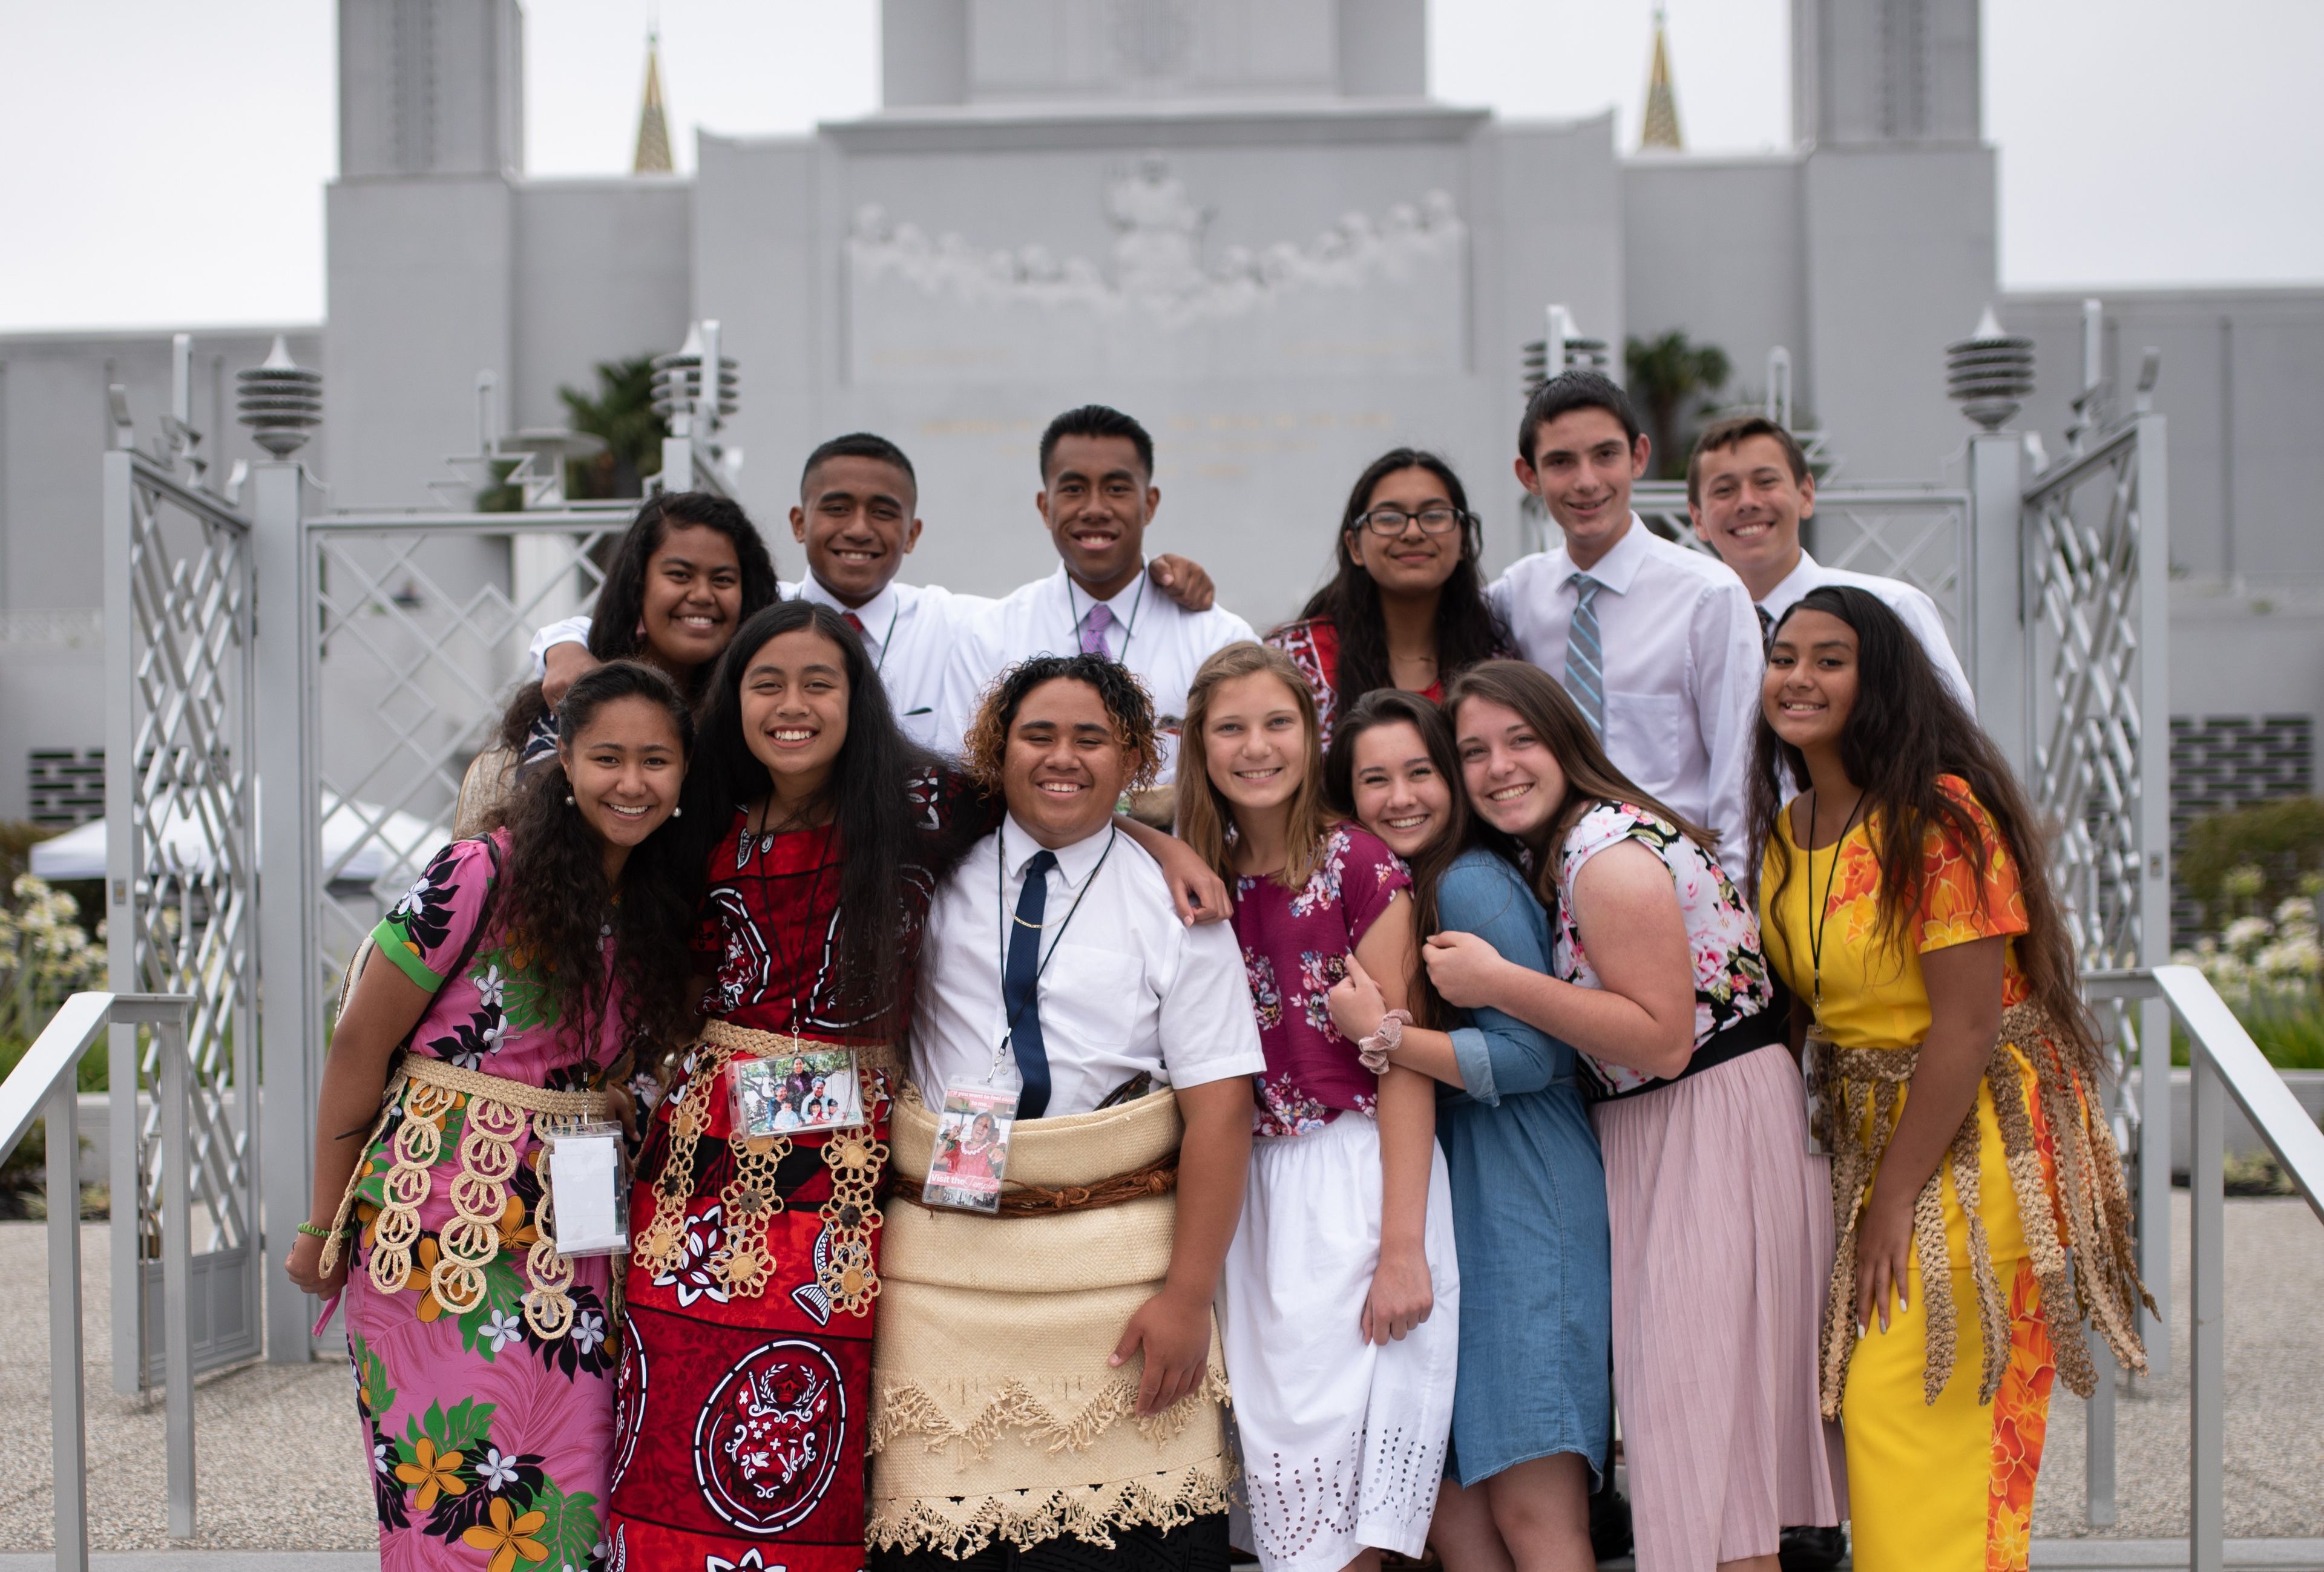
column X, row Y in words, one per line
column 1204, row 811
column 1905, row 731
column 1542, row 702
column 1391, row 707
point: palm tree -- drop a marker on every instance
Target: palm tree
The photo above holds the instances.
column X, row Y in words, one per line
column 1673, row 378
column 623, row 413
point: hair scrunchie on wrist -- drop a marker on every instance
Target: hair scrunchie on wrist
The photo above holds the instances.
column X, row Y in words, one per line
column 1385, row 1039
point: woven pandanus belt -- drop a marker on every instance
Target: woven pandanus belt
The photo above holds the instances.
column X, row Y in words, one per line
column 1863, row 1088
column 499, row 1113
column 751, row 1199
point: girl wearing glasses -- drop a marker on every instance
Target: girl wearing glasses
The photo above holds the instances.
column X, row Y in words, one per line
column 1406, row 608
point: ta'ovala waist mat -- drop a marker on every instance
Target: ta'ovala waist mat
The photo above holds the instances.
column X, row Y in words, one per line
column 995, row 1415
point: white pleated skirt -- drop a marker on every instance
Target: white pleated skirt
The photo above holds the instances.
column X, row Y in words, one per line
column 1341, row 1441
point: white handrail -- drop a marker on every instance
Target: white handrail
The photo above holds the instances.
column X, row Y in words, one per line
column 46, row 1081
column 2223, row 1059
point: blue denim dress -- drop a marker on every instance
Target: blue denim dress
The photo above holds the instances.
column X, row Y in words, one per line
column 1529, row 1212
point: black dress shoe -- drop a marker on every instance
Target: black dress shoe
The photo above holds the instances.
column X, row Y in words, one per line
column 1610, row 1524
column 1811, row 1549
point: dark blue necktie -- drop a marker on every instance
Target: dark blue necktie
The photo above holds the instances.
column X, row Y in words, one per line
column 1020, row 995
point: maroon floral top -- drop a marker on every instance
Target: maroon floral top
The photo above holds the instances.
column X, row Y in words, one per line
column 1296, row 944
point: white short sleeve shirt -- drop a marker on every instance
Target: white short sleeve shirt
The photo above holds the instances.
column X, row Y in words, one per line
column 1126, row 989
column 1149, row 632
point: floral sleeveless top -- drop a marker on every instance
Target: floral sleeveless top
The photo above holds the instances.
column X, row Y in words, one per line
column 1732, row 980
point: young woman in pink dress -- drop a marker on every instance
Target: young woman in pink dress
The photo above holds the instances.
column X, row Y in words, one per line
column 1720, row 1222
column 507, row 989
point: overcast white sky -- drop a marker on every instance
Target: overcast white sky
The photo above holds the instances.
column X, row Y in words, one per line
column 165, row 160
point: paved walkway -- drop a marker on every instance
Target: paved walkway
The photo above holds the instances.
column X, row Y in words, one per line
column 280, row 1468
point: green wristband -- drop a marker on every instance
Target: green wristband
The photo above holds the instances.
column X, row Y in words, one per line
column 314, row 1232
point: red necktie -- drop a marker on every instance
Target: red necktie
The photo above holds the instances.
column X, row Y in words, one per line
column 853, row 621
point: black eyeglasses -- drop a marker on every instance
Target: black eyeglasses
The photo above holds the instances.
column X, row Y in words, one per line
column 1388, row 523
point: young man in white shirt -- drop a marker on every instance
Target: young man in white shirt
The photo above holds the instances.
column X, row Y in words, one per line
column 1097, row 498
column 1054, row 969
column 857, row 519
column 1657, row 644
column 1748, row 488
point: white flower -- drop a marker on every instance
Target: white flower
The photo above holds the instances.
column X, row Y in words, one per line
column 497, row 1472
column 588, row 1331
column 490, row 986
column 501, row 1328
column 380, row 1459
column 2245, row 934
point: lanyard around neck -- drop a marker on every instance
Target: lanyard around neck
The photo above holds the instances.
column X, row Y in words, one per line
column 1009, row 919
column 1820, row 914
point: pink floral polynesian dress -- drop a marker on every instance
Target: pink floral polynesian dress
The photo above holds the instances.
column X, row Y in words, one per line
column 490, row 1418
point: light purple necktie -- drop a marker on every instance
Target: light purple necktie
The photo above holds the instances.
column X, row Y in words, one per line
column 1093, row 626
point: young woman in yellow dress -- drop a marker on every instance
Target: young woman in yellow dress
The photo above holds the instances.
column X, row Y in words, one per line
column 1952, row 1070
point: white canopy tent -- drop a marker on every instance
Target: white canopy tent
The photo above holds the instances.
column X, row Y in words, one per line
column 395, row 846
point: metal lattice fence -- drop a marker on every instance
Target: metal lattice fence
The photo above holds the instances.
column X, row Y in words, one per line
column 181, row 895
column 2089, row 716
column 423, row 624
column 1919, row 534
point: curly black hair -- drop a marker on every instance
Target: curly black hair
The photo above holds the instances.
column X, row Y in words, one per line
column 554, row 901
column 1124, row 697
column 621, row 599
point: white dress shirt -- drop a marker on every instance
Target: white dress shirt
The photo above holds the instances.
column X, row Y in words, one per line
column 1150, row 633
column 1128, row 987
column 908, row 630
column 1911, row 605
column 1683, row 662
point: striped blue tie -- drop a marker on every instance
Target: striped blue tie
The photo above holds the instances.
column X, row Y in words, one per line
column 1585, row 655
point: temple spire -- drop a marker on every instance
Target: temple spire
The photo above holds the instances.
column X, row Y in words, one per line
column 653, row 130
column 1661, row 131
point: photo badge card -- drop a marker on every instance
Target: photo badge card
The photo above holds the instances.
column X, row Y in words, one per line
column 972, row 1148
column 815, row 1088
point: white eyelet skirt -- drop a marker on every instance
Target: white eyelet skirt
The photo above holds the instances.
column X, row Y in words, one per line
column 1341, row 1441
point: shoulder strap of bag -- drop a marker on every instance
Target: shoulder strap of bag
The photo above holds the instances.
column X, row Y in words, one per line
column 364, row 951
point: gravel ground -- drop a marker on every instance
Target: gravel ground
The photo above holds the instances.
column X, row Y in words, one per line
column 281, row 1467
column 2274, row 1395
column 279, row 1464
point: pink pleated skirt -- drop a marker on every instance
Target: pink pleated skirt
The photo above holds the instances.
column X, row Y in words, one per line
column 1723, row 1245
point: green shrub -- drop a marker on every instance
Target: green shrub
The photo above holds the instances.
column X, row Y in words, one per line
column 2283, row 839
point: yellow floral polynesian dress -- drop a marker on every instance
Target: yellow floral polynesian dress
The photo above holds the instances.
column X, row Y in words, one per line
column 1943, row 1436
column 485, row 1385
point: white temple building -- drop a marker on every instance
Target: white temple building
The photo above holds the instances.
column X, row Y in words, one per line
column 1248, row 225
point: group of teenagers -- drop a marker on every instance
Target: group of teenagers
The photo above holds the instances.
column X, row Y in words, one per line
column 1398, row 1042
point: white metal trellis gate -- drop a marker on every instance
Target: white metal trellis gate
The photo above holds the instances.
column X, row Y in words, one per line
column 181, row 889
column 411, row 628
column 1919, row 534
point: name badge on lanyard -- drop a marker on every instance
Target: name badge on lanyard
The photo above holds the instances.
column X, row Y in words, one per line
column 587, row 1195
column 1815, row 1070
column 971, row 1149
